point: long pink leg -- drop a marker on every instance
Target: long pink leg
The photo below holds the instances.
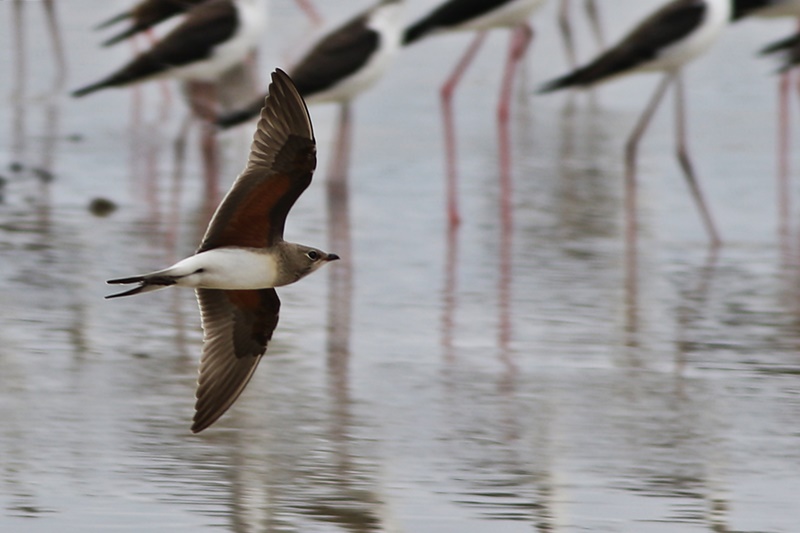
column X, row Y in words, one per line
column 58, row 48
column 631, row 150
column 686, row 163
column 565, row 26
column 165, row 93
column 594, row 18
column 446, row 96
column 520, row 39
column 202, row 101
column 631, row 215
column 311, row 11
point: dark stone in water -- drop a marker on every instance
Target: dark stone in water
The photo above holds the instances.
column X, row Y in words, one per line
column 102, row 207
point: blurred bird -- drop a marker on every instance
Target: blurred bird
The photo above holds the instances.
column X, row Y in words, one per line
column 148, row 13
column 479, row 16
column 789, row 47
column 213, row 37
column 243, row 256
column 665, row 41
column 344, row 62
column 145, row 15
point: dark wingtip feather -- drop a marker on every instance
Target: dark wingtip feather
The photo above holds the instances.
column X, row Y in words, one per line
column 129, row 292
column 125, row 281
column 556, row 84
column 133, row 30
column 83, row 91
column 783, row 44
column 414, row 33
column 113, row 20
column 790, row 46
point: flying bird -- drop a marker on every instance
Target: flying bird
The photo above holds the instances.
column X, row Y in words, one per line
column 243, row 256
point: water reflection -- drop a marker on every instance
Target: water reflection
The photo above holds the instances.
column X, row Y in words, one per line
column 489, row 378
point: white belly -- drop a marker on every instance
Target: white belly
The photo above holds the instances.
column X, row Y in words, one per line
column 227, row 268
column 389, row 25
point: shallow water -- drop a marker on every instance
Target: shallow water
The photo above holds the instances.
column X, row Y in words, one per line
column 503, row 378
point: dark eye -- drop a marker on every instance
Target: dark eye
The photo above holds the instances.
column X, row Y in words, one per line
column 313, row 255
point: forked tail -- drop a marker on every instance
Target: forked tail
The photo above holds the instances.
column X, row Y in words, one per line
column 146, row 284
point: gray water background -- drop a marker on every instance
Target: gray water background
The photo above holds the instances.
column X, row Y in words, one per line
column 501, row 380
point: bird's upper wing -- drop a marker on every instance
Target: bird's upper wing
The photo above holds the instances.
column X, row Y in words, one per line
column 281, row 163
column 236, row 328
column 337, row 55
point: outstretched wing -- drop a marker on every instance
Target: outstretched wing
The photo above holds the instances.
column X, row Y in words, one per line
column 237, row 325
column 281, row 163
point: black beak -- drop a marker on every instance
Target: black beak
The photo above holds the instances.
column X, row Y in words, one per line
column 333, row 257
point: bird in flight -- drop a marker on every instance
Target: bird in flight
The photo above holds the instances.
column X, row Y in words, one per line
column 243, row 256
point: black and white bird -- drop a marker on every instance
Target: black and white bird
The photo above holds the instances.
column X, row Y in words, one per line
column 243, row 256
column 665, row 41
column 475, row 16
column 343, row 63
column 213, row 37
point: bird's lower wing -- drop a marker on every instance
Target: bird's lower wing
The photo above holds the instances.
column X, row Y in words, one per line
column 237, row 325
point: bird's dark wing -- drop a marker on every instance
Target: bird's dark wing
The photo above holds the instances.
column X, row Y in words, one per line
column 282, row 161
column 450, row 14
column 790, row 47
column 204, row 27
column 666, row 26
column 336, row 56
column 237, row 325
column 147, row 14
